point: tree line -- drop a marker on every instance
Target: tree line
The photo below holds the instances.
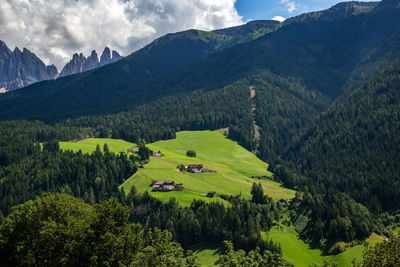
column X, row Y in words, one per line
column 92, row 177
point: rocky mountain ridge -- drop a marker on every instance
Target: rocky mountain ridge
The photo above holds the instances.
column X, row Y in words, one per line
column 22, row 68
column 79, row 63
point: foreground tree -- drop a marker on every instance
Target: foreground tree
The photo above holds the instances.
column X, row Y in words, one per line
column 232, row 258
column 48, row 231
column 386, row 253
column 60, row 230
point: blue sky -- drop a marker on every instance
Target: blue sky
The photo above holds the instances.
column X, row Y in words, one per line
column 267, row 9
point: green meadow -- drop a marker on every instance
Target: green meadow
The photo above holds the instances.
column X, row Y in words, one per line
column 294, row 250
column 207, row 253
column 234, row 165
column 89, row 145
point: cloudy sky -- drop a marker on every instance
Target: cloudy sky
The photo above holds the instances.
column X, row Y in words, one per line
column 55, row 29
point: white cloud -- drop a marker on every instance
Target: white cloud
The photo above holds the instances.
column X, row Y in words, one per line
column 290, row 5
column 54, row 30
column 279, row 18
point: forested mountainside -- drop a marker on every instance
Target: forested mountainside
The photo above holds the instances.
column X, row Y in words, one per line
column 97, row 91
column 320, row 54
column 354, row 146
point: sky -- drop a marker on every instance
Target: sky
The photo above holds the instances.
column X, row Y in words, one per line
column 56, row 29
column 267, row 9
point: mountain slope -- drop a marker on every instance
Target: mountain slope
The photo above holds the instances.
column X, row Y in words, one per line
column 354, row 146
column 101, row 90
column 318, row 53
column 297, row 71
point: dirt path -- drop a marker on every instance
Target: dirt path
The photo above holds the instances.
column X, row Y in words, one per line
column 256, row 129
column 195, row 192
column 252, row 92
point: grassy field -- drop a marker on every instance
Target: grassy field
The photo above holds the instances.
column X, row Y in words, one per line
column 207, row 253
column 397, row 231
column 89, row 145
column 234, row 165
column 294, row 250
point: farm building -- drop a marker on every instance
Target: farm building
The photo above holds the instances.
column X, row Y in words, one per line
column 155, row 153
column 283, row 202
column 197, row 168
column 166, row 186
column 179, row 187
column 210, row 194
column 194, row 168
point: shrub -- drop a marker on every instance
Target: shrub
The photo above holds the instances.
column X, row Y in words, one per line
column 191, row 153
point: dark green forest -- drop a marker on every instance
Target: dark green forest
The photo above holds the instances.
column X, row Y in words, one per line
column 354, row 146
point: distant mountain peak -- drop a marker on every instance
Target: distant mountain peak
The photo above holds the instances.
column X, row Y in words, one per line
column 21, row 68
column 106, row 56
column 3, row 44
column 79, row 63
column 115, row 56
column 17, row 51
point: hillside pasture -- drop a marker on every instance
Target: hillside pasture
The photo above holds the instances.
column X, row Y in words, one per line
column 234, row 165
column 296, row 251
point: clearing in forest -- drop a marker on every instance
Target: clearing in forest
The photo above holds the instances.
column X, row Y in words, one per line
column 89, row 145
column 234, row 165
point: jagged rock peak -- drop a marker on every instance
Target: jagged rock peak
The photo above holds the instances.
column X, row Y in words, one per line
column 3, row 45
column 106, row 56
column 21, row 68
column 4, row 48
column 74, row 66
column 80, row 63
column 91, row 62
column 17, row 51
column 115, row 56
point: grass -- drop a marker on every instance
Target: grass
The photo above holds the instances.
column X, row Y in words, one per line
column 89, row 145
column 207, row 253
column 234, row 165
column 296, row 251
column 397, row 231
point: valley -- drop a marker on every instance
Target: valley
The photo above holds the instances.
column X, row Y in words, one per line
column 271, row 143
column 234, row 165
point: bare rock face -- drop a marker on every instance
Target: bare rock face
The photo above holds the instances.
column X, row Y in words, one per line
column 115, row 56
column 21, row 68
column 74, row 66
column 92, row 62
column 80, row 64
column 105, row 57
